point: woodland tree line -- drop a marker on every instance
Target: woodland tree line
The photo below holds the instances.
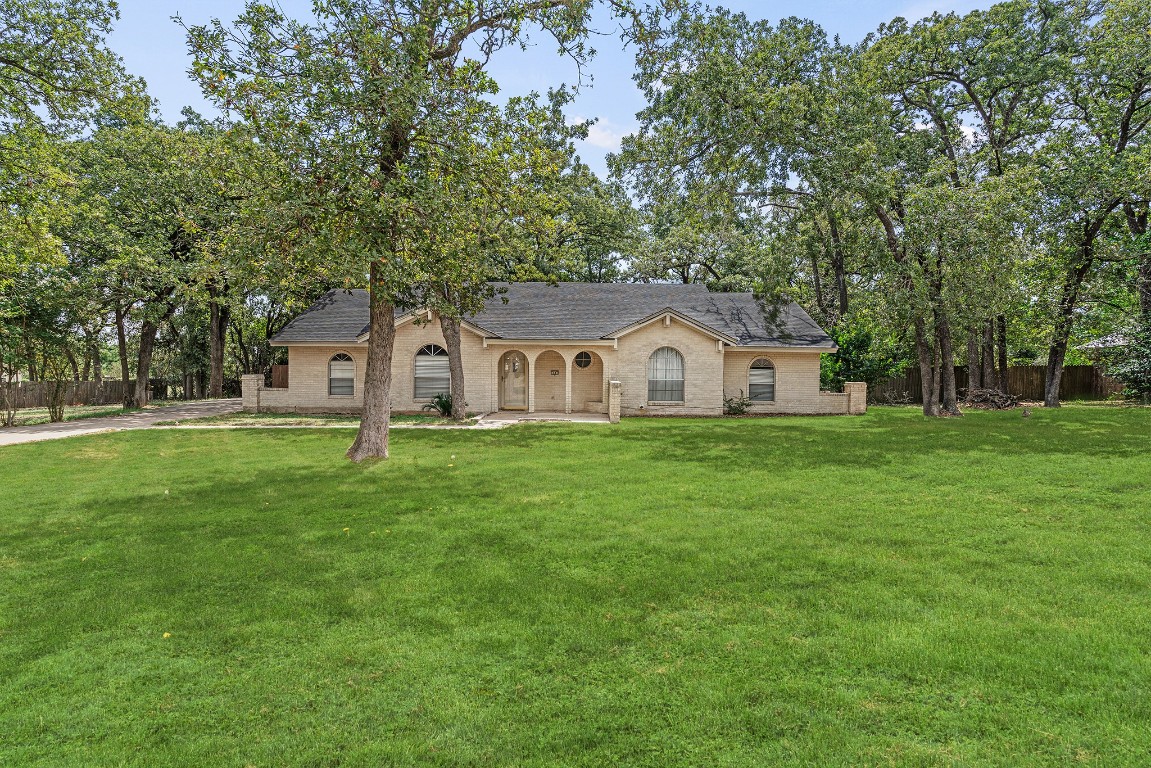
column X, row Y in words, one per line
column 966, row 190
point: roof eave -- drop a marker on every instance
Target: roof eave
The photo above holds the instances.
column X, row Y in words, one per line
column 685, row 319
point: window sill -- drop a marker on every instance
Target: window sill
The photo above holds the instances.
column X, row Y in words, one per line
column 666, row 402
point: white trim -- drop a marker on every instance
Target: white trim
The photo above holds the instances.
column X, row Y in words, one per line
column 552, row 342
column 762, row 349
column 410, row 317
column 666, row 315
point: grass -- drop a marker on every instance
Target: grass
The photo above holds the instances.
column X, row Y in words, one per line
column 26, row 417
column 299, row 420
column 882, row 590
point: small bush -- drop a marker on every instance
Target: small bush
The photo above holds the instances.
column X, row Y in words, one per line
column 442, row 404
column 736, row 406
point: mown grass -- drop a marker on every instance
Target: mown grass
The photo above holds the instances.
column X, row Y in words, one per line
column 26, row 417
column 245, row 419
column 882, row 590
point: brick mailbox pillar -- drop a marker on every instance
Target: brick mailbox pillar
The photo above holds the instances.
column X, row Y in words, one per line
column 250, row 386
column 614, row 389
column 856, row 397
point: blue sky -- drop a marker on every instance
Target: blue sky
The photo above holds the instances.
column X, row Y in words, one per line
column 153, row 47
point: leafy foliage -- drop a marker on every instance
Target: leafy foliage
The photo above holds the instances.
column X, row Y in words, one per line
column 861, row 357
column 441, row 404
column 1133, row 366
column 736, row 405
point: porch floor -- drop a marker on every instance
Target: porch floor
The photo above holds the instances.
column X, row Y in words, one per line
column 514, row 416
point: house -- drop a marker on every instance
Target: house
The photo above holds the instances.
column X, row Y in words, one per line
column 634, row 348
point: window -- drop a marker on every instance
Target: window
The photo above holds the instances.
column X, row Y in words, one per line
column 583, row 359
column 433, row 376
column 341, row 375
column 665, row 376
column 761, row 381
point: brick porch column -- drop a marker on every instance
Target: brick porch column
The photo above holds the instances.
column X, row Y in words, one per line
column 531, row 383
column 567, row 384
column 614, row 390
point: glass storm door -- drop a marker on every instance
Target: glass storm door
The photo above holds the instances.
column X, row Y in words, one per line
column 514, row 382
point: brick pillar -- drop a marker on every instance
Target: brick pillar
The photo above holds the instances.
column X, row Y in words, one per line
column 250, row 386
column 567, row 385
column 856, row 397
column 614, row 390
column 531, row 384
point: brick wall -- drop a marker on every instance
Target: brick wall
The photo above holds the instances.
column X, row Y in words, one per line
column 703, row 370
column 708, row 374
column 796, row 382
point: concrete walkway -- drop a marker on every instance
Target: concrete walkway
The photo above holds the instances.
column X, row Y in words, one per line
column 138, row 420
column 504, row 418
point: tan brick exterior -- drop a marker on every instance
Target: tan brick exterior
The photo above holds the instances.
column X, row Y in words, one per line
column 712, row 370
column 796, row 381
column 702, row 370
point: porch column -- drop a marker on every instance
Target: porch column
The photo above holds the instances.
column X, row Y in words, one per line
column 531, row 383
column 567, row 384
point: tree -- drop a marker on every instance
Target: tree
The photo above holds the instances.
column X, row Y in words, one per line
column 349, row 101
column 1091, row 165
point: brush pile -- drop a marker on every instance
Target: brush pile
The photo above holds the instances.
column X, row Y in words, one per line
column 989, row 400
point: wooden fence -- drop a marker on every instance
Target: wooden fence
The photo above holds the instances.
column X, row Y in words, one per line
column 279, row 377
column 35, row 394
column 1079, row 382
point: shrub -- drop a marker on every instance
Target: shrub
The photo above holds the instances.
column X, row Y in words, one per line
column 442, row 404
column 736, row 406
column 861, row 357
column 1134, row 367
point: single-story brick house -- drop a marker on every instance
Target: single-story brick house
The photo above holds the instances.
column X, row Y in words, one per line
column 635, row 349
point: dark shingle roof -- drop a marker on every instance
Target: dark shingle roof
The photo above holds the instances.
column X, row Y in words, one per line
column 336, row 316
column 584, row 311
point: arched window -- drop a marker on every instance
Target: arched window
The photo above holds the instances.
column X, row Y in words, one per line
column 761, row 381
column 341, row 375
column 432, row 374
column 665, row 376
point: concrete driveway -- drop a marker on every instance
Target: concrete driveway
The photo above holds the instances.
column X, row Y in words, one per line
column 139, row 420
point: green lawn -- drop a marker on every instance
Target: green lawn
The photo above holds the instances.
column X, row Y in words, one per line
column 26, row 417
column 245, row 419
column 881, row 590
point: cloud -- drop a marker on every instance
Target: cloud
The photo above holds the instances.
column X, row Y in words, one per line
column 603, row 134
column 921, row 9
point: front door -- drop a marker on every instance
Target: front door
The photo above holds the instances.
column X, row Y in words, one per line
column 514, row 382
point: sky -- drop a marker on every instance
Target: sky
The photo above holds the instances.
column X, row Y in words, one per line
column 153, row 47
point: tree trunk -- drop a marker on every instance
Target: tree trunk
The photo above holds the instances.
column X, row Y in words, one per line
column 974, row 369
column 451, row 330
column 990, row 374
column 926, row 369
column 837, row 262
column 946, row 366
column 1001, row 327
column 122, row 346
column 217, row 339
column 372, row 440
column 817, row 283
column 73, row 363
column 1068, row 300
column 148, row 331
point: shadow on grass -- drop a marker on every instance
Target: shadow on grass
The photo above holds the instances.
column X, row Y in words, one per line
column 889, row 436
